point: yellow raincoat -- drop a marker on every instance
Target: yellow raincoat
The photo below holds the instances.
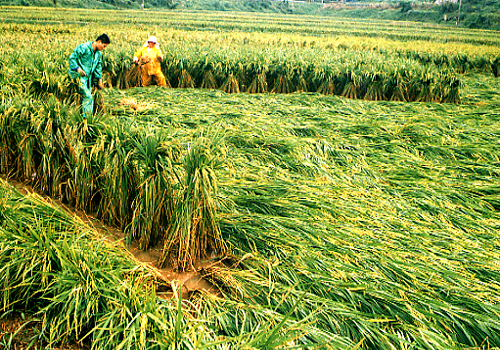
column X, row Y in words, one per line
column 151, row 65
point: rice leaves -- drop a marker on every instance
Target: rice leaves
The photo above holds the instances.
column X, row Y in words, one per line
column 194, row 232
column 321, row 221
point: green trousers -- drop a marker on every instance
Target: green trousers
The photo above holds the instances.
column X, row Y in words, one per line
column 86, row 92
column 87, row 100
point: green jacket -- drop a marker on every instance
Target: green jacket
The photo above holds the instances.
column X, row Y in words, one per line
column 88, row 60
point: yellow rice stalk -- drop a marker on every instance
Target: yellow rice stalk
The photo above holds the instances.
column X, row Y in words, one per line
column 133, row 76
column 231, row 85
column 208, row 81
column 283, row 85
column 185, row 80
column 259, row 84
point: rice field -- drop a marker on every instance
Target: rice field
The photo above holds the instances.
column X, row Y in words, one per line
column 332, row 222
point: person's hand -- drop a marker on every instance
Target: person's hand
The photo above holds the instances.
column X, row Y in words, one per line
column 160, row 58
column 100, row 85
column 81, row 72
column 136, row 60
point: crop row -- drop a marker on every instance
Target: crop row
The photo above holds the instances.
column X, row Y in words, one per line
column 260, row 23
column 82, row 289
column 353, row 75
column 362, row 75
column 132, row 179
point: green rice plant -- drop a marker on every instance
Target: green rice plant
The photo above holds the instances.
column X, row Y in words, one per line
column 193, row 233
column 391, row 206
column 153, row 205
column 83, row 290
column 65, row 277
column 375, row 89
column 119, row 178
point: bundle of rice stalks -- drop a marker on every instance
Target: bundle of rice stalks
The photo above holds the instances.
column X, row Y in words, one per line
column 327, row 87
column 99, row 105
column 153, row 205
column 134, row 105
column 61, row 86
column 107, row 79
column 83, row 184
column 302, row 85
column 375, row 89
column 421, row 89
column 259, row 84
column 185, row 80
column 119, row 178
column 283, row 85
column 47, row 151
column 395, row 88
column 449, row 89
column 133, row 76
column 352, row 85
column 208, row 81
column 194, row 232
column 14, row 117
column 231, row 85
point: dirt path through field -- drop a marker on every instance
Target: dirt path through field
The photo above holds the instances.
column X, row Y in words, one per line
column 191, row 280
column 17, row 331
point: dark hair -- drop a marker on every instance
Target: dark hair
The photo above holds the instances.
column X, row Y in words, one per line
column 103, row 38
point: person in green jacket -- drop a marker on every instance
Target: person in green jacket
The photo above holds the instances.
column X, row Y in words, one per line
column 85, row 65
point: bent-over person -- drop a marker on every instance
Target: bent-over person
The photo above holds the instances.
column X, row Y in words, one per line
column 150, row 57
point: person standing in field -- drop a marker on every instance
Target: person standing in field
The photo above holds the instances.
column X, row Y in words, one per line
column 150, row 57
column 85, row 64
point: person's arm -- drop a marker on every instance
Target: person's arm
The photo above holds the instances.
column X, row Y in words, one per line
column 98, row 73
column 75, row 60
column 137, row 56
column 98, row 69
column 160, row 55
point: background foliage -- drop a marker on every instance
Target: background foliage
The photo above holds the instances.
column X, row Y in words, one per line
column 473, row 13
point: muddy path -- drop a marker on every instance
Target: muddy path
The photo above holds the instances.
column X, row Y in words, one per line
column 191, row 281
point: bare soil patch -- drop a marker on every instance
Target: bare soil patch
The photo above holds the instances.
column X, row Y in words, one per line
column 17, row 331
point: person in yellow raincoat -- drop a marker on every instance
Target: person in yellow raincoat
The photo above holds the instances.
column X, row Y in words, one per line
column 150, row 57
